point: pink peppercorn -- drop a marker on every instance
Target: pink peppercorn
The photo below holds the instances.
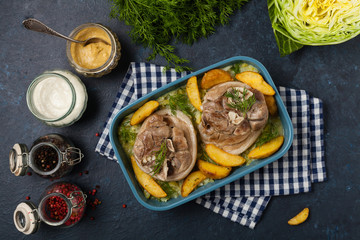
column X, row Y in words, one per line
column 56, row 206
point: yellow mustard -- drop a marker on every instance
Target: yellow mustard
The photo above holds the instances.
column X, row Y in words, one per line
column 93, row 55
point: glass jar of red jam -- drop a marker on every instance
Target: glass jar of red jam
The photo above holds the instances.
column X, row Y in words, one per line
column 51, row 156
column 62, row 204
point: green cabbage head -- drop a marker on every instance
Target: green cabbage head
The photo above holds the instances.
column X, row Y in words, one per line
column 313, row 22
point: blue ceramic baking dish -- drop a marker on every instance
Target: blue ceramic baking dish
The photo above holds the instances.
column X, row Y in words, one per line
column 125, row 163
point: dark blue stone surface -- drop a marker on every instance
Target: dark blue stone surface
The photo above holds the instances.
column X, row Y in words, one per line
column 331, row 73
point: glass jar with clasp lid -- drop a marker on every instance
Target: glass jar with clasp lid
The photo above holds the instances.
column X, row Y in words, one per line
column 62, row 204
column 51, row 156
column 58, row 98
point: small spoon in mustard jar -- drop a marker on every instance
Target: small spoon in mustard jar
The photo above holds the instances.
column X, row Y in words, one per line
column 37, row 26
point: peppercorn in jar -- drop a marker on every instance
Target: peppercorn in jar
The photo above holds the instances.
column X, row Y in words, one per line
column 62, row 204
column 51, row 156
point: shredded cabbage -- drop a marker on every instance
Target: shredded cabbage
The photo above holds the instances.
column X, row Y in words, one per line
column 313, row 22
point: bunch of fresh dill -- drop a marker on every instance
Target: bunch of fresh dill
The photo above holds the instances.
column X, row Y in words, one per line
column 155, row 23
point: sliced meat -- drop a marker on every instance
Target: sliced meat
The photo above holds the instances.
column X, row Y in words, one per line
column 229, row 128
column 178, row 135
column 179, row 140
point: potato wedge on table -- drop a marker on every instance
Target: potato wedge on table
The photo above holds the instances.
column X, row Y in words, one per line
column 300, row 218
column 256, row 81
column 271, row 104
column 146, row 181
column 191, row 181
column 267, row 149
column 143, row 112
column 214, row 77
column 223, row 158
column 213, row 171
column 193, row 93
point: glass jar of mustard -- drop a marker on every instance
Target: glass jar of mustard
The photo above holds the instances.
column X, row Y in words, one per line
column 62, row 204
column 58, row 98
column 97, row 58
column 51, row 156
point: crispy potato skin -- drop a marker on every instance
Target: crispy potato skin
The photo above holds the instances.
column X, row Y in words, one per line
column 267, row 149
column 146, row 181
column 192, row 91
column 256, row 81
column 143, row 112
column 223, row 158
column 271, row 104
column 214, row 77
column 213, row 171
column 191, row 181
column 300, row 217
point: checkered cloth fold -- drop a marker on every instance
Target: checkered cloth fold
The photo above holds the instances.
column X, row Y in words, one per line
column 243, row 200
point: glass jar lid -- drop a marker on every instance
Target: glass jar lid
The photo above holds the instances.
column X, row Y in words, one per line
column 18, row 159
column 26, row 218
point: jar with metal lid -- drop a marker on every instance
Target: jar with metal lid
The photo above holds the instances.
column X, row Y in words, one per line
column 58, row 98
column 51, row 156
column 62, row 204
column 96, row 58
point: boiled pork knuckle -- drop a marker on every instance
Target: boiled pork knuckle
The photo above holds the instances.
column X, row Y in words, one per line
column 166, row 145
column 227, row 127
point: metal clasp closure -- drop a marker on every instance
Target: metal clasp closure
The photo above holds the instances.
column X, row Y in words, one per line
column 69, row 152
column 75, row 203
column 35, row 210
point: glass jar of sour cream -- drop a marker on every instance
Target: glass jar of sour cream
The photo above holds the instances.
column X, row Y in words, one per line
column 97, row 58
column 58, row 98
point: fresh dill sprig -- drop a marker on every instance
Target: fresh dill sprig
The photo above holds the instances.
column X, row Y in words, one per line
column 270, row 132
column 156, row 24
column 239, row 100
column 126, row 132
column 180, row 102
column 236, row 68
column 160, row 157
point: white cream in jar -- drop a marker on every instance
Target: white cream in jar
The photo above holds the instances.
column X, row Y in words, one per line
column 57, row 97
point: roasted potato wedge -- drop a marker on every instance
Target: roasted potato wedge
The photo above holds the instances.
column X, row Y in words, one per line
column 256, row 81
column 213, row 171
column 192, row 91
column 191, row 181
column 271, row 104
column 146, row 181
column 266, row 149
column 143, row 112
column 223, row 158
column 214, row 77
column 300, row 218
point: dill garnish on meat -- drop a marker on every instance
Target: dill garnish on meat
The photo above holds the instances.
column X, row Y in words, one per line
column 239, row 100
column 160, row 157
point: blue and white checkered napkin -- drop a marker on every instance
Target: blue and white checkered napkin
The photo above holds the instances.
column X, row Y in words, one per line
column 244, row 200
